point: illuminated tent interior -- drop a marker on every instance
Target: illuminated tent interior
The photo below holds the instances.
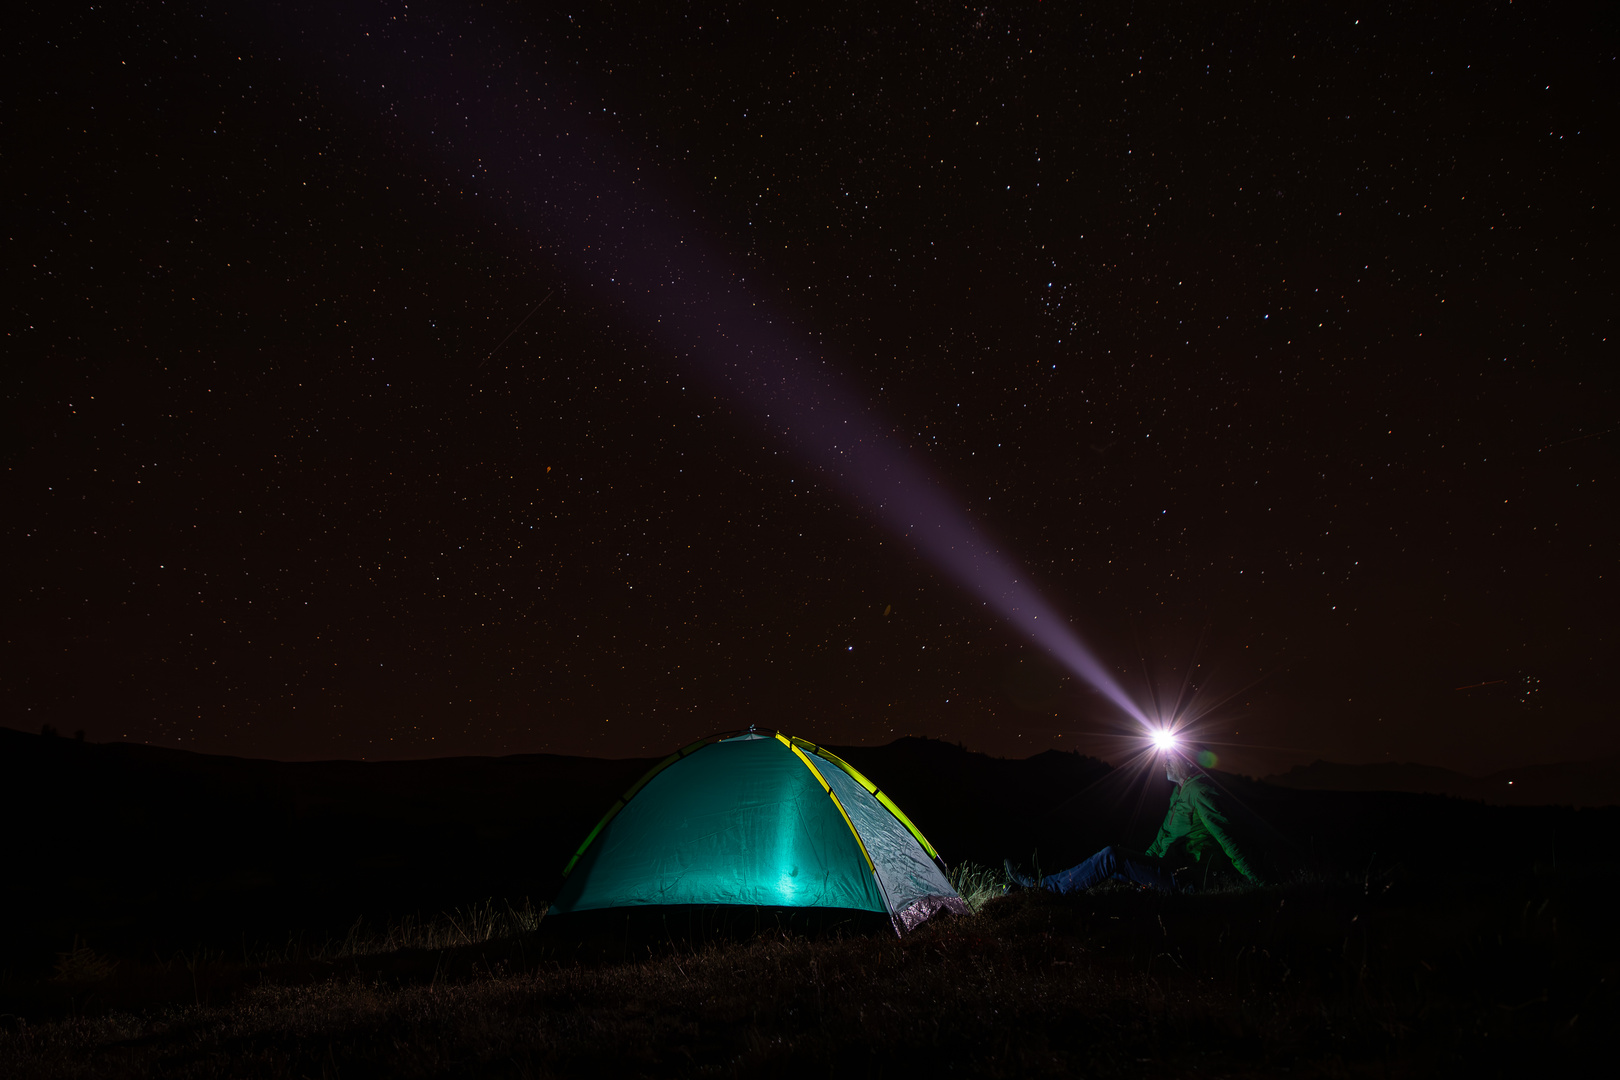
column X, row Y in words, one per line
column 760, row 820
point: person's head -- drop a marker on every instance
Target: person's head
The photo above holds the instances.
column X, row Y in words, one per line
column 1183, row 762
column 1176, row 767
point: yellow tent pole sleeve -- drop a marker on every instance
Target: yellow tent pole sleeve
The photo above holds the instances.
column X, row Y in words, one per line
column 855, row 774
column 613, row 811
column 822, row 780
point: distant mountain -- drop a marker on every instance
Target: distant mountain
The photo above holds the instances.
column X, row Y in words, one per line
column 128, row 842
column 141, row 849
column 1567, row 783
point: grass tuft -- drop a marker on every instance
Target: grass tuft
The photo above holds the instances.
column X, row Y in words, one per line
column 976, row 884
column 474, row 924
column 81, row 964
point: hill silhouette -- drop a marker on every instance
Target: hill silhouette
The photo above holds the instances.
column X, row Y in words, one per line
column 1569, row 783
column 139, row 848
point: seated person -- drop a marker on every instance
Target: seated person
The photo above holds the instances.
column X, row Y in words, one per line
column 1195, row 820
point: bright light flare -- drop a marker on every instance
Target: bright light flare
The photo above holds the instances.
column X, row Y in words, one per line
column 1164, row 739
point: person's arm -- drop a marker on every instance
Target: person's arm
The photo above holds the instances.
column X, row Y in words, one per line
column 1220, row 827
column 1167, row 830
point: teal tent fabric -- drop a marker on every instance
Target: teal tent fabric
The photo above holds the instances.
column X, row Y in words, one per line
column 750, row 820
column 741, row 821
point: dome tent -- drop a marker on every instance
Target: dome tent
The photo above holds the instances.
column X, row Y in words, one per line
column 760, row 820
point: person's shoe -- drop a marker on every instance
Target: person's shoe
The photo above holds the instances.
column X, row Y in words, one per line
column 1017, row 877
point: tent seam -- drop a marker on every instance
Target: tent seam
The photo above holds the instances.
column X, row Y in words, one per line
column 833, row 795
column 877, row 878
column 883, row 800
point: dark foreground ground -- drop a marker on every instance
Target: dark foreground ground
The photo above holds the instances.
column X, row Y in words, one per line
column 1408, row 936
column 1382, row 977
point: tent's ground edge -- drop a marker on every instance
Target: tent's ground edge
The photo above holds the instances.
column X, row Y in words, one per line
column 920, row 911
column 696, row 923
column 740, row 921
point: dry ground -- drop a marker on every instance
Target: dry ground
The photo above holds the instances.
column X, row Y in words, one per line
column 1319, row 978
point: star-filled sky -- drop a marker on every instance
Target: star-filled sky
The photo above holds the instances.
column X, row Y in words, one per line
column 1272, row 342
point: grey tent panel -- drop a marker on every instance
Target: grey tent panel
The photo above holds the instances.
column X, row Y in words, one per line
column 912, row 883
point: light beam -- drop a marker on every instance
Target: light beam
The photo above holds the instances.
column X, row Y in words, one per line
column 564, row 179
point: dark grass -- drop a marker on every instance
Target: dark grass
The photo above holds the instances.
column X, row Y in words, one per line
column 1393, row 973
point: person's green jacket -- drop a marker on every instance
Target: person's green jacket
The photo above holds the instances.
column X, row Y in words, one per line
column 1195, row 816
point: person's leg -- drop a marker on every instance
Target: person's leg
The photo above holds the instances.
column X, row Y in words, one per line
column 1111, row 862
column 1082, row 876
column 1143, row 870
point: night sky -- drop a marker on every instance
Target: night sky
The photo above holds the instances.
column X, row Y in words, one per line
column 1273, row 341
